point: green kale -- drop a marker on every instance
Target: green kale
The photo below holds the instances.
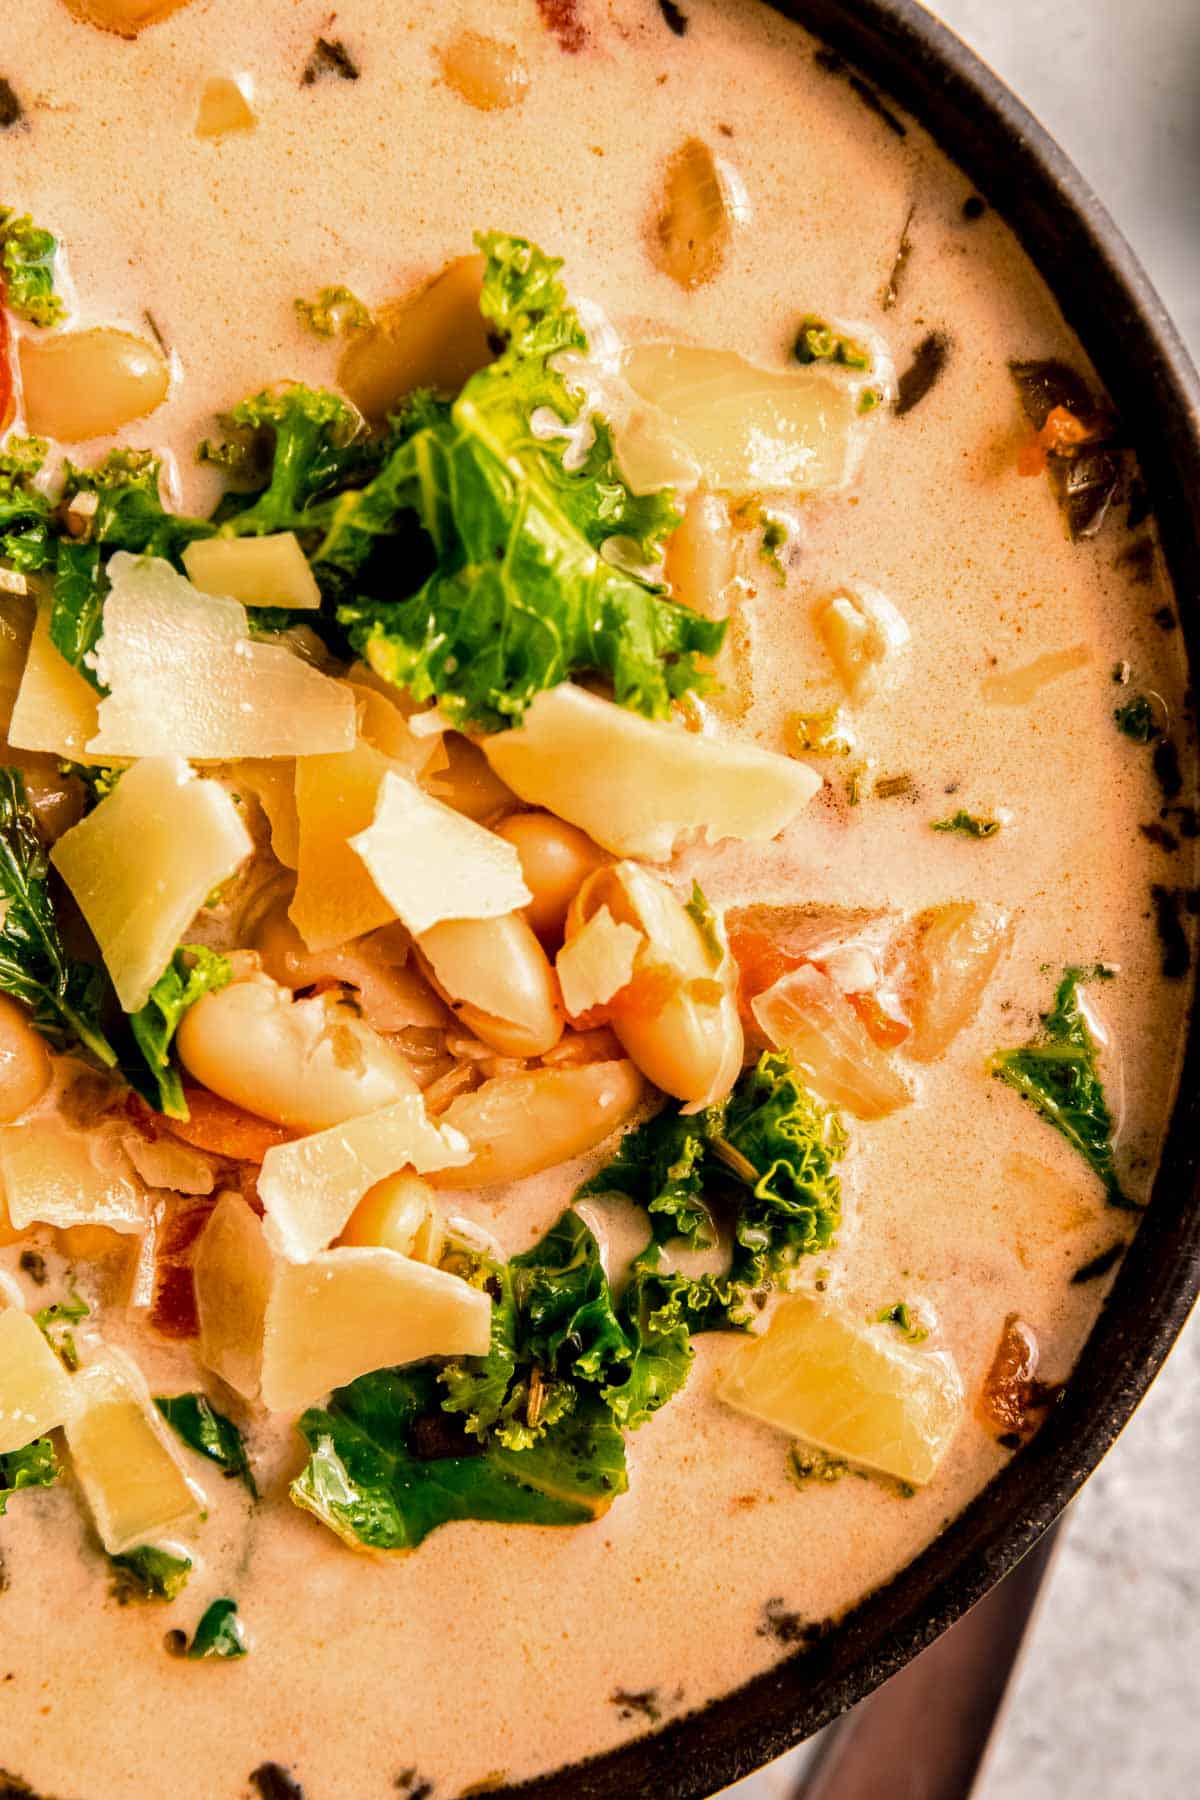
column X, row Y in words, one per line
column 818, row 341
column 33, row 1466
column 533, row 528
column 900, row 1315
column 192, row 972
column 1058, row 1074
column 1136, row 719
column 292, row 446
column 334, row 313
column 26, row 535
column 149, row 1573
column 967, row 825
column 707, row 924
column 27, row 258
column 219, row 1633
column 65, row 995
column 195, row 1419
column 55, row 1322
column 772, row 543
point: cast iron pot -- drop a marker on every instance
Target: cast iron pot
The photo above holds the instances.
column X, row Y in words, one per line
column 897, row 48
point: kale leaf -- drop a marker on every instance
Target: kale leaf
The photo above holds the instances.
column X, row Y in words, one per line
column 1058, row 1074
column 26, row 536
column 27, row 258
column 149, row 1573
column 1136, row 719
column 55, row 1322
column 33, row 1466
column 219, row 1632
column 195, row 1419
column 192, row 972
column 967, row 825
column 34, row 967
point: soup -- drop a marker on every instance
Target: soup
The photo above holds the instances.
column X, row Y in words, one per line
column 717, row 748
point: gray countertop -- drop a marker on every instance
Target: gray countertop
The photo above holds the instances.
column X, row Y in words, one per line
column 1106, row 1702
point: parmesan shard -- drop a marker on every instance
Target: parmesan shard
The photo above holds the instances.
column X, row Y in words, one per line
column 309, row 1188
column 35, row 1389
column 350, row 1310
column 55, row 709
column 432, row 864
column 259, row 571
column 232, row 1275
column 597, row 962
column 641, row 787
column 53, row 1174
column 144, row 861
column 124, row 1458
column 186, row 678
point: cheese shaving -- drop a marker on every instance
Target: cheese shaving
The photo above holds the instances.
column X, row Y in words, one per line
column 55, row 709
column 597, row 962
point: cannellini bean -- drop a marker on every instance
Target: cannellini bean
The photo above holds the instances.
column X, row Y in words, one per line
column 495, row 976
column 518, row 1125
column 689, row 1042
column 24, row 1062
column 125, row 17
column 307, row 1064
column 400, row 1213
column 556, row 859
column 84, row 384
column 434, row 338
column 690, row 236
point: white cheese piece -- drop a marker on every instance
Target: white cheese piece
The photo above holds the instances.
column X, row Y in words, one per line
column 143, row 862
column 35, row 1389
column 258, row 571
column 232, row 1275
column 310, row 1187
column 349, row 1311
column 431, row 863
column 186, row 678
column 125, row 1459
column 641, row 787
column 55, row 709
column 597, row 962
column 53, row 1174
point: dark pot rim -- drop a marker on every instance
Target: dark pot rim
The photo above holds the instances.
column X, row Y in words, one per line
column 1106, row 297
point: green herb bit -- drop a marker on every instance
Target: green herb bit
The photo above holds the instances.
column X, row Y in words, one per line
column 707, row 924
column 1058, row 1074
column 33, row 1466
column 807, row 1466
column 336, row 312
column 869, row 399
column 192, row 972
column 219, row 1633
column 818, row 341
column 196, row 1420
column 149, row 1573
column 818, row 734
column 55, row 1323
column 900, row 1315
column 772, row 543
column 27, row 260
column 967, row 825
column 1136, row 719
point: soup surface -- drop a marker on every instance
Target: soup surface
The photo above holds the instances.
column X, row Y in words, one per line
column 712, row 179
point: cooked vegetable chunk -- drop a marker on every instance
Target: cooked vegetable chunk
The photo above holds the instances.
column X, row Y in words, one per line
column 124, row 1459
column 35, row 1390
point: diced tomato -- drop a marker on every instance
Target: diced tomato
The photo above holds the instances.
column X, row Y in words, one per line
column 760, row 960
column 1062, row 433
column 887, row 1029
column 223, row 1129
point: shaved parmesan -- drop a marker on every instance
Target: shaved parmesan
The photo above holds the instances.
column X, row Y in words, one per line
column 124, row 1458
column 335, row 898
column 349, row 1311
column 231, row 1273
column 639, row 787
column 186, row 678
column 258, row 571
column 597, row 962
column 143, row 862
column 382, row 725
column 310, row 1188
column 432, row 864
column 53, row 1174
column 35, row 1389
column 55, row 709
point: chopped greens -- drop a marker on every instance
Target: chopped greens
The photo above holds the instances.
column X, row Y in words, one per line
column 818, row 734
column 707, row 924
column 1058, row 1074
column 1136, row 720
column 192, row 972
column 818, row 341
column 26, row 537
column 967, row 825
column 34, row 1466
column 149, row 1573
column 27, row 266
column 334, row 312
column 195, row 1419
column 219, row 1633
column 65, row 995
column 901, row 1316
column 55, row 1322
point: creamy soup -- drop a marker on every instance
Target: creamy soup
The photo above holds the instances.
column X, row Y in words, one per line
column 949, row 637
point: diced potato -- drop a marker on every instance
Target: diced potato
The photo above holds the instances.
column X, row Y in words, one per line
column 35, row 1390
column 223, row 108
column 518, row 1125
column 432, row 864
column 84, row 384
column 336, row 899
column 957, row 949
column 434, row 338
column 853, row 1391
column 805, row 1014
column 597, row 962
column 863, row 633
column 187, row 679
column 349, row 1311
column 750, row 430
column 53, row 1174
column 56, row 709
column 144, row 861
column 125, row 1459
column 231, row 1273
column 640, row 787
column 258, row 571
column 310, row 1187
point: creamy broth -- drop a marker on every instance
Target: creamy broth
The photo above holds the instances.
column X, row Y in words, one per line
column 500, row 1652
